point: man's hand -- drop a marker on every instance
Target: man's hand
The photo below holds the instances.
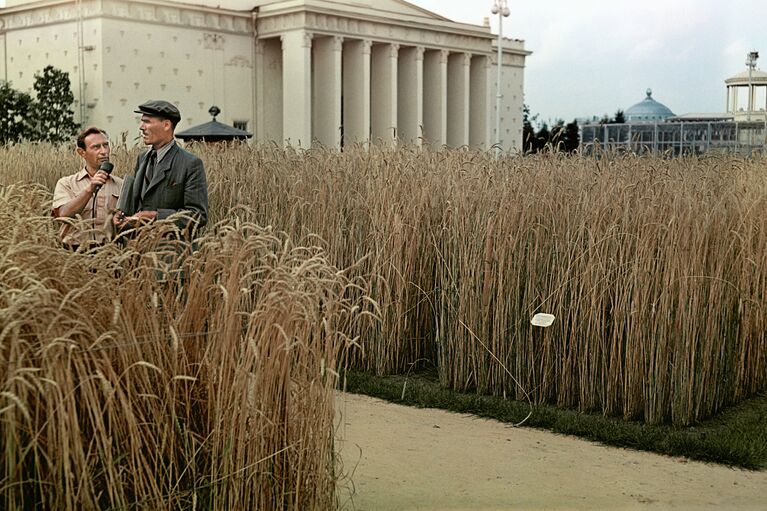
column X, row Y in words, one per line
column 98, row 180
column 118, row 219
column 141, row 218
column 144, row 217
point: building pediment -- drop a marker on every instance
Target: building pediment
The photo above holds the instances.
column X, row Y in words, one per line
column 399, row 7
column 396, row 7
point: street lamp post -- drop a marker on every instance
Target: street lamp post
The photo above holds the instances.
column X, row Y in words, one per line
column 500, row 8
column 751, row 63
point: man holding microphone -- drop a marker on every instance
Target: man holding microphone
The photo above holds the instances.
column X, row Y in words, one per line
column 88, row 194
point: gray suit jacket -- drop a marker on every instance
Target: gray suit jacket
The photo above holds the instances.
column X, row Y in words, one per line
column 178, row 184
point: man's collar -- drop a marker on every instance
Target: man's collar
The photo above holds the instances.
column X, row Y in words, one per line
column 161, row 152
column 165, row 145
column 83, row 174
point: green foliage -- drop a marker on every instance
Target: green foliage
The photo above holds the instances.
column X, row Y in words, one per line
column 542, row 138
column 618, row 118
column 52, row 113
column 571, row 137
column 561, row 137
column 45, row 118
column 15, row 108
column 565, row 138
column 528, row 132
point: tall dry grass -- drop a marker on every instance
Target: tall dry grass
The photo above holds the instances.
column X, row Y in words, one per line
column 131, row 378
column 655, row 268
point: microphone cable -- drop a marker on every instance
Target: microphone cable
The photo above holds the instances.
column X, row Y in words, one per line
column 106, row 166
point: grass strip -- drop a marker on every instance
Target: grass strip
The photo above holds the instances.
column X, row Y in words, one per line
column 737, row 437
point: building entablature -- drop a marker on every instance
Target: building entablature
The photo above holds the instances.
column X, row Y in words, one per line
column 324, row 22
column 370, row 12
column 318, row 17
column 153, row 12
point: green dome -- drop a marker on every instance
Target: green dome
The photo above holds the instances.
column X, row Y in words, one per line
column 648, row 110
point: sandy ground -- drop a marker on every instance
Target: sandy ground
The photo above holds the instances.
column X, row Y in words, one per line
column 401, row 458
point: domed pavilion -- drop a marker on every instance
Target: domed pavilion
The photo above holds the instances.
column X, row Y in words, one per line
column 648, row 110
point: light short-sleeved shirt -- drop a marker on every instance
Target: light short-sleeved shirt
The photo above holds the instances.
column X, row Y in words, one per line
column 67, row 188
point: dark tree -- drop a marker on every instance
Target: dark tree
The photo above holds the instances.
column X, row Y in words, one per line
column 561, row 136
column 571, row 138
column 15, row 115
column 557, row 135
column 542, row 138
column 528, row 133
column 54, row 118
column 619, row 118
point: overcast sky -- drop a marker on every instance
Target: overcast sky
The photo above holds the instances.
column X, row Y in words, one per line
column 593, row 57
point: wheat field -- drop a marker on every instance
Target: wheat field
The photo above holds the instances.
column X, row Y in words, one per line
column 654, row 267
column 384, row 260
column 133, row 377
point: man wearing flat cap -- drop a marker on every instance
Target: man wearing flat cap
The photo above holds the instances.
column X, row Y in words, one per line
column 167, row 179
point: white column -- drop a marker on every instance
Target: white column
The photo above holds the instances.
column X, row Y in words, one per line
column 435, row 96
column 727, row 103
column 478, row 105
column 297, row 88
column 410, row 95
column 269, row 90
column 458, row 83
column 258, row 77
column 356, row 91
column 735, row 99
column 492, row 76
column 383, row 94
column 326, row 90
column 4, row 57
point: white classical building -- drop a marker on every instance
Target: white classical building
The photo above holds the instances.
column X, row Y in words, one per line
column 292, row 71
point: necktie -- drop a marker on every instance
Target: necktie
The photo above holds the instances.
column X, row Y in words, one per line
column 151, row 159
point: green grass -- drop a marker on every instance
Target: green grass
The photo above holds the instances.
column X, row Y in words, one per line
column 736, row 437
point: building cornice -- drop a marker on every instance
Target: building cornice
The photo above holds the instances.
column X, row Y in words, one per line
column 321, row 18
column 324, row 21
column 149, row 11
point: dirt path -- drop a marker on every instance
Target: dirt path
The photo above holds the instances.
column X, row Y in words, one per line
column 402, row 458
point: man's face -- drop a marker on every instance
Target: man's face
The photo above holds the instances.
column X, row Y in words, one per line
column 96, row 150
column 155, row 130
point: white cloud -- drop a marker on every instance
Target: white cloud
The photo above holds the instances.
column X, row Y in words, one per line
column 593, row 57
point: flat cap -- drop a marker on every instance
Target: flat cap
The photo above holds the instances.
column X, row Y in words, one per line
column 160, row 108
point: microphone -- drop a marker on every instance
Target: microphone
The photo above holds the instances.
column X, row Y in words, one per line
column 104, row 167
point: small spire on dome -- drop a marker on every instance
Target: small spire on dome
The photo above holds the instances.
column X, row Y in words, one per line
column 649, row 93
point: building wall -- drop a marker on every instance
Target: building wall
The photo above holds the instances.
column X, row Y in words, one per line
column 192, row 67
column 427, row 78
column 28, row 48
column 132, row 52
column 512, row 91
